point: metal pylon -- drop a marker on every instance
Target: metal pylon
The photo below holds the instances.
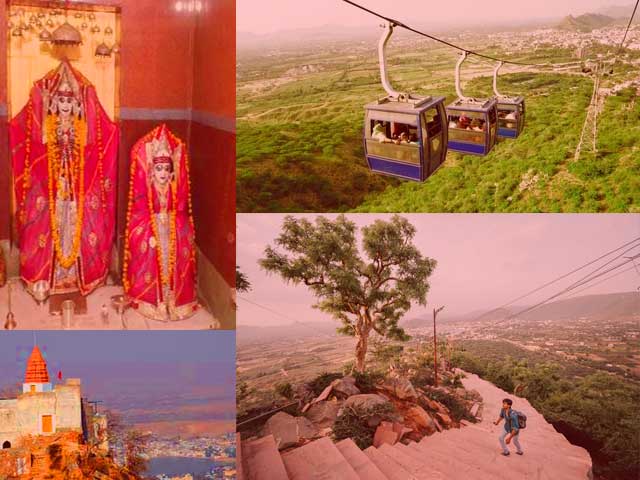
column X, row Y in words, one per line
column 589, row 136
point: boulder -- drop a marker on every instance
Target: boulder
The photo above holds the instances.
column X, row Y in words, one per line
column 306, row 429
column 365, row 401
column 345, row 387
column 400, row 387
column 418, row 416
column 474, row 409
column 444, row 419
column 323, row 414
column 304, row 393
column 384, row 434
column 324, row 395
column 288, row 430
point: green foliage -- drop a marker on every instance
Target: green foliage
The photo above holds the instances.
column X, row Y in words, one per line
column 368, row 291
column 360, row 425
column 385, row 354
column 284, row 390
column 242, row 282
column 300, row 143
column 366, row 381
column 242, row 391
column 456, row 407
column 322, row 381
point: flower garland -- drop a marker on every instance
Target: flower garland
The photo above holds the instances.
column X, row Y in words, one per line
column 54, row 160
column 165, row 279
column 189, row 201
column 103, row 196
column 26, row 177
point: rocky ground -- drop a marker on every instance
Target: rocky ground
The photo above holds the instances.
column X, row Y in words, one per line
column 59, row 457
column 398, row 431
column 391, row 410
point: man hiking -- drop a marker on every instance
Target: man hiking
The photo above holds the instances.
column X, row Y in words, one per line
column 511, row 427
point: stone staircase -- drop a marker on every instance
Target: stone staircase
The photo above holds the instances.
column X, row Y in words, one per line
column 471, row 452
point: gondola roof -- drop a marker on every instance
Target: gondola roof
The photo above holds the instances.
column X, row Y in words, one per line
column 480, row 105
column 414, row 105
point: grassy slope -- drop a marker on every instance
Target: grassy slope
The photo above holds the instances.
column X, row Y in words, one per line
column 300, row 147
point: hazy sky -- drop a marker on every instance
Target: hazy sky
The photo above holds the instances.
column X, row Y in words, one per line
column 269, row 16
column 483, row 260
column 149, row 376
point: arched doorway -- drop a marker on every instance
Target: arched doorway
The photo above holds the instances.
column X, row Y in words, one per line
column 6, row 445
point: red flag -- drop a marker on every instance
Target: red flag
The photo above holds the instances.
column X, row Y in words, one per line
column 59, row 374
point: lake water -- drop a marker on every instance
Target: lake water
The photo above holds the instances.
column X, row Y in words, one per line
column 174, row 466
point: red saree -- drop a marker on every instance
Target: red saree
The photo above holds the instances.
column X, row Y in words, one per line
column 160, row 266
column 36, row 184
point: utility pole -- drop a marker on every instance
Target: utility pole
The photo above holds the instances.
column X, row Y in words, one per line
column 435, row 346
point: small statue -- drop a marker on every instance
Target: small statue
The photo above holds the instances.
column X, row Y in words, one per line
column 159, row 273
column 63, row 152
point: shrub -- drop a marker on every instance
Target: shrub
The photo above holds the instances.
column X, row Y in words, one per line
column 322, row 381
column 285, row 390
column 360, row 424
column 457, row 408
column 367, row 381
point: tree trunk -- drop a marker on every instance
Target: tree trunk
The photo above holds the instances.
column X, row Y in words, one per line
column 361, row 351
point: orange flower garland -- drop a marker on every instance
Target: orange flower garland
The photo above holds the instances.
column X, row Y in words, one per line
column 26, row 176
column 54, row 161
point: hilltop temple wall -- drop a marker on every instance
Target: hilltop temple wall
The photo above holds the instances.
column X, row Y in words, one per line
column 8, row 422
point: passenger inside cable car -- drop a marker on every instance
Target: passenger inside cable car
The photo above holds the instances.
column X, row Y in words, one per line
column 465, row 127
column 410, row 137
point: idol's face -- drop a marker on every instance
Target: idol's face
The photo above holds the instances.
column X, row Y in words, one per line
column 65, row 105
column 162, row 173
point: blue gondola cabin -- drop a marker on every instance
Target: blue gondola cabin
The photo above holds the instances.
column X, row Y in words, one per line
column 406, row 138
column 511, row 113
column 472, row 125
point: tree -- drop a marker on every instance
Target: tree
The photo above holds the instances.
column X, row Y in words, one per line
column 242, row 282
column 367, row 290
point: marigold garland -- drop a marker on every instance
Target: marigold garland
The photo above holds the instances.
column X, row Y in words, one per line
column 26, row 176
column 54, row 160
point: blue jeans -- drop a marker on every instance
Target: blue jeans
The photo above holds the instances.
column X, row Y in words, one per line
column 515, row 440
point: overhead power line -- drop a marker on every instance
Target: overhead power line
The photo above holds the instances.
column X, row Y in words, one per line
column 568, row 274
column 573, row 287
column 440, row 40
column 628, row 27
column 617, row 274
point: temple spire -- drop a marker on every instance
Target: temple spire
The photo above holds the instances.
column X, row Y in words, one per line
column 36, row 368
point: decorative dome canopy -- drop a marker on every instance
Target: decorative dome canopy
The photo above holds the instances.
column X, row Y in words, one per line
column 66, row 34
column 36, row 368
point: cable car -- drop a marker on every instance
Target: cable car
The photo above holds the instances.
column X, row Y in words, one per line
column 405, row 135
column 511, row 111
column 472, row 122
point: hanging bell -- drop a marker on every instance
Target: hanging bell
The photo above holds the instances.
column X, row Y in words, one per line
column 108, row 31
column 103, row 51
column 11, row 323
column 115, row 48
column 45, row 35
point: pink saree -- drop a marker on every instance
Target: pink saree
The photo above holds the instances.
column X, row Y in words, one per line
column 160, row 266
column 93, row 185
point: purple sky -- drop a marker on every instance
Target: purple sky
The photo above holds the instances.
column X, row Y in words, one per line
column 264, row 17
column 148, row 376
column 484, row 260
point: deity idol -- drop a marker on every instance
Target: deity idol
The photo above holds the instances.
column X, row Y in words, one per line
column 63, row 153
column 160, row 265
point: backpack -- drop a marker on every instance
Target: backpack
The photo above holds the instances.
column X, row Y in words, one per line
column 522, row 419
